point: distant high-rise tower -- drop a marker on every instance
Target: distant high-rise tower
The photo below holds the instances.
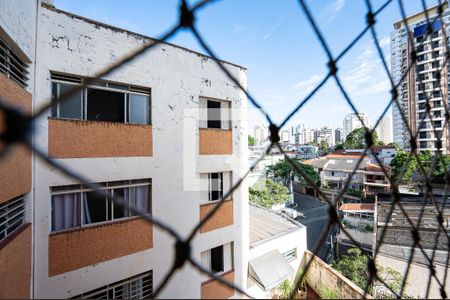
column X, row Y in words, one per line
column 422, row 82
column 384, row 129
column 352, row 122
column 338, row 135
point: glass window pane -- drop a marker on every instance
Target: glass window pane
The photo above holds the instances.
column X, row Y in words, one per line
column 70, row 108
column 121, row 211
column 105, row 106
column 139, row 109
column 66, row 211
column 140, row 199
column 214, row 114
column 95, row 208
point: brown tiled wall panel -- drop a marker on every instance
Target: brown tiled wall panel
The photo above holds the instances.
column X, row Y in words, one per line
column 15, row 168
column 80, row 138
column 83, row 247
column 15, row 266
column 215, row 141
column 222, row 218
column 213, row 289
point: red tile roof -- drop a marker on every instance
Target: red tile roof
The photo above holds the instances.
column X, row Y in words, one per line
column 357, row 206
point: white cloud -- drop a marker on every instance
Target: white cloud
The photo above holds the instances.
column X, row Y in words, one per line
column 384, row 41
column 368, row 77
column 307, row 84
column 330, row 12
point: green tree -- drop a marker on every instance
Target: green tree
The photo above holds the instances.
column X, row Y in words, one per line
column 399, row 161
column 323, row 145
column 357, row 139
column 282, row 169
column 271, row 194
column 438, row 173
column 339, row 146
column 251, row 141
column 354, row 267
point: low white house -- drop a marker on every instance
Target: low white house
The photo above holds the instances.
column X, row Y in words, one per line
column 277, row 245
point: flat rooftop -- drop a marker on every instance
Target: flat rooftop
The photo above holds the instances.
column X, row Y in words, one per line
column 265, row 224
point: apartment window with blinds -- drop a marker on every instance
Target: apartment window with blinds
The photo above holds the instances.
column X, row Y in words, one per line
column 215, row 114
column 11, row 64
column 136, row 287
column 100, row 101
column 76, row 205
column 12, row 215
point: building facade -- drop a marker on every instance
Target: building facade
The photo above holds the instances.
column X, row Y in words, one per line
column 353, row 121
column 384, row 129
column 163, row 133
column 422, row 82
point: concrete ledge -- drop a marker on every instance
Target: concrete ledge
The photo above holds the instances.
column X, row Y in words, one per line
column 321, row 275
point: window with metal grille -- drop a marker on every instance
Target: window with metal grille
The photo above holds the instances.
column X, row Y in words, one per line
column 12, row 65
column 12, row 215
column 215, row 186
column 100, row 101
column 290, row 255
column 137, row 287
column 76, row 205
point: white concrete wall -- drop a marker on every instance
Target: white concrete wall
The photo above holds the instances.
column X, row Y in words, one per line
column 177, row 78
column 282, row 243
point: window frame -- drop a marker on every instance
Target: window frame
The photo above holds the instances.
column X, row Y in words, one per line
column 220, row 191
column 109, row 187
column 109, row 86
column 290, row 255
column 19, row 211
column 146, row 277
column 19, row 76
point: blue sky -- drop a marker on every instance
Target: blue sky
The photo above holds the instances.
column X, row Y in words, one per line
column 274, row 41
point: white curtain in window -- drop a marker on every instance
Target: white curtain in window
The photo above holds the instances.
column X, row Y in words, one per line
column 204, row 187
column 203, row 115
column 66, row 211
column 141, row 199
column 225, row 114
column 227, row 184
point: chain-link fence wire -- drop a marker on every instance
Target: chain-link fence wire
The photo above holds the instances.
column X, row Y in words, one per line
column 18, row 128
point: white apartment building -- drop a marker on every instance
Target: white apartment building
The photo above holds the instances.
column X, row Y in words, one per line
column 163, row 132
column 384, row 129
column 352, row 122
column 261, row 133
column 422, row 82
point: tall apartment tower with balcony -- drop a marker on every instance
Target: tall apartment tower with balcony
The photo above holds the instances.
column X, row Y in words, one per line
column 164, row 132
column 422, row 82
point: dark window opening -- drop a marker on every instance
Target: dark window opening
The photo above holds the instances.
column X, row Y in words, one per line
column 214, row 114
column 120, row 211
column 105, row 106
column 217, row 260
column 95, row 208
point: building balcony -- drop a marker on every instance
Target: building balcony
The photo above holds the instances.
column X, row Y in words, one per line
column 82, row 247
column 215, row 141
column 222, row 218
column 69, row 138
column 374, row 182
